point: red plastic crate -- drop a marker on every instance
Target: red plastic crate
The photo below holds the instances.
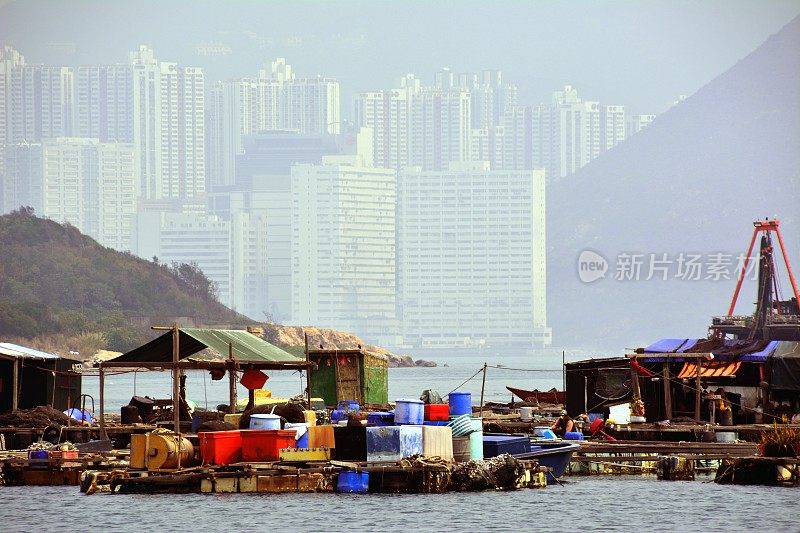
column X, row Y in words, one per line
column 265, row 444
column 437, row 411
column 220, row 447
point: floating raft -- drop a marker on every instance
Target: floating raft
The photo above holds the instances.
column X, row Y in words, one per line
column 769, row 471
column 413, row 475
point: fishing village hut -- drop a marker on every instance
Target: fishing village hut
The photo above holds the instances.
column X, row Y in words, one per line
column 30, row 378
column 237, row 350
column 675, row 377
column 354, row 374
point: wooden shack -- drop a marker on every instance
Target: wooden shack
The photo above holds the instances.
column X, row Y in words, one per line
column 349, row 375
column 30, row 378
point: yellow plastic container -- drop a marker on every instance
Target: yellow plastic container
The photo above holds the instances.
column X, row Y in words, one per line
column 311, row 454
column 138, row 451
column 311, row 418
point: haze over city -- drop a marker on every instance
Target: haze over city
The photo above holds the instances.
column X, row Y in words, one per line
column 414, row 173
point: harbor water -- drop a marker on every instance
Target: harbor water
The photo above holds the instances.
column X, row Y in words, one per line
column 608, row 504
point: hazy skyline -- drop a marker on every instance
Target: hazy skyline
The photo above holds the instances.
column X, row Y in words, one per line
column 642, row 55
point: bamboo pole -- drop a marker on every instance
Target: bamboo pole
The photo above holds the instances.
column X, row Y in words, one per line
column 102, row 373
column 15, row 386
column 176, row 389
column 231, row 380
column 667, row 392
column 483, row 387
column 308, row 369
column 697, row 391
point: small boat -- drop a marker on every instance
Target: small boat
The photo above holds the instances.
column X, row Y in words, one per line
column 554, row 454
column 552, row 396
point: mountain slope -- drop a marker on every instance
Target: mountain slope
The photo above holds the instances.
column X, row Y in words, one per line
column 691, row 182
column 56, row 281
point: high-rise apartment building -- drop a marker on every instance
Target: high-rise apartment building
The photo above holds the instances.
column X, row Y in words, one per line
column 432, row 126
column 389, row 115
column 637, row 123
column 569, row 132
column 104, row 103
column 168, row 127
column 84, row 182
column 40, row 104
column 10, row 60
column 343, row 247
column 275, row 100
column 471, row 257
column 177, row 237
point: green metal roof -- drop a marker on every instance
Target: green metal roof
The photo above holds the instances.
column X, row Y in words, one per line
column 247, row 348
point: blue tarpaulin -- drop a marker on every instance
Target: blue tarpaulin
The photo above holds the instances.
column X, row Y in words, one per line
column 671, row 346
column 728, row 350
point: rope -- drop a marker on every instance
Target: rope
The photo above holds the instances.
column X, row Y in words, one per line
column 467, row 381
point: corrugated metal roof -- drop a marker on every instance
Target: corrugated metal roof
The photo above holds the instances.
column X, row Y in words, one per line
column 15, row 350
column 247, row 348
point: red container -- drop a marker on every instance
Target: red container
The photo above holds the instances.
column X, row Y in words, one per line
column 437, row 411
column 220, row 447
column 265, row 444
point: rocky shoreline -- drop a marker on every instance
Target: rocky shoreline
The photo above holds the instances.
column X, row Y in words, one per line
column 292, row 338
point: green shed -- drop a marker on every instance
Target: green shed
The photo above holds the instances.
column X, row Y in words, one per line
column 349, row 375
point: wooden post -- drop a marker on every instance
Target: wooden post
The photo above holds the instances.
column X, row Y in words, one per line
column 483, row 387
column 102, row 373
column 697, row 391
column 15, row 386
column 176, row 385
column 667, row 392
column 176, row 390
column 231, row 380
column 308, row 370
column 563, row 372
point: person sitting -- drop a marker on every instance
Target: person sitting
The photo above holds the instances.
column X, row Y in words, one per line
column 563, row 425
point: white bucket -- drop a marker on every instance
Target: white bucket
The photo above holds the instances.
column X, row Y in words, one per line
column 265, row 421
column 525, row 413
column 726, row 436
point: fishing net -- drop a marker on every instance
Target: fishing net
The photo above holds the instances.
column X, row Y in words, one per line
column 501, row 472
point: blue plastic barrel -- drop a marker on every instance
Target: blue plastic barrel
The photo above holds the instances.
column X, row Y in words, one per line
column 409, row 412
column 573, row 435
column 349, row 481
column 380, row 419
column 348, row 405
column 460, row 403
column 301, row 430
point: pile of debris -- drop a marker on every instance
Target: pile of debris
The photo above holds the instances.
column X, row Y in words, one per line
column 38, row 417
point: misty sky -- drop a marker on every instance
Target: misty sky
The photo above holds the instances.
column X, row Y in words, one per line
column 642, row 54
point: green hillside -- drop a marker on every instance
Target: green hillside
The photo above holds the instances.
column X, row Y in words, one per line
column 60, row 289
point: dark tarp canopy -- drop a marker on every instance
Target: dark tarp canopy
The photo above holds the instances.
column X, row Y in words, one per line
column 785, row 366
column 247, row 349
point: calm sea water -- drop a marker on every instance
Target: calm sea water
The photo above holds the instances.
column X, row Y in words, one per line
column 583, row 504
